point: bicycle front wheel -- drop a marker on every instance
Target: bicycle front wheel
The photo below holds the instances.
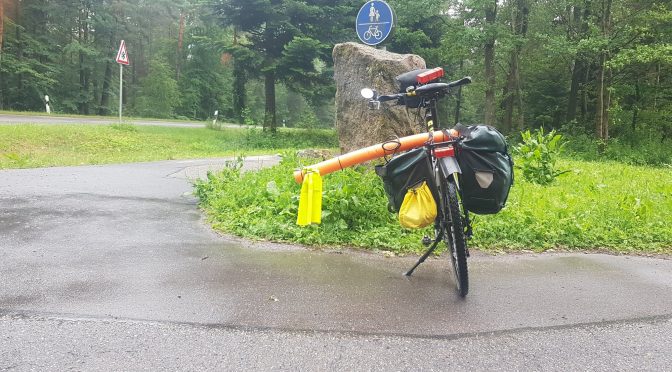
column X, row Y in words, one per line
column 454, row 236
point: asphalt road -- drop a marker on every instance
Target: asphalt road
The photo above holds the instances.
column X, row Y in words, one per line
column 6, row 119
column 114, row 268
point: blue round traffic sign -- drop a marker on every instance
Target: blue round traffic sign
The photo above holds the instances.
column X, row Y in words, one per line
column 375, row 21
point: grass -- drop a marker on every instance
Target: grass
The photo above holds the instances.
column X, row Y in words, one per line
column 598, row 205
column 30, row 146
column 606, row 206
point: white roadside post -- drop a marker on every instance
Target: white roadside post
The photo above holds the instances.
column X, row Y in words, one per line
column 214, row 122
column 46, row 102
column 122, row 59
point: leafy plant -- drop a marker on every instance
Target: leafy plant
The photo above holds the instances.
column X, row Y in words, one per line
column 125, row 127
column 18, row 160
column 538, row 155
column 308, row 120
column 247, row 117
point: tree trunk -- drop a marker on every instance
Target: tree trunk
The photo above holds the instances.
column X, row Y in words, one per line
column 489, row 52
column 458, row 98
column 269, row 114
column 520, row 123
column 19, row 56
column 635, row 108
column 104, row 108
column 576, row 31
column 512, row 96
column 607, row 106
column 578, row 72
column 2, row 23
column 2, row 33
column 83, row 37
column 180, row 36
column 599, row 109
column 584, row 95
column 657, row 88
column 604, row 77
column 239, row 83
column 507, row 103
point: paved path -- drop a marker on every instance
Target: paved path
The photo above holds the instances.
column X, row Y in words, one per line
column 56, row 120
column 113, row 267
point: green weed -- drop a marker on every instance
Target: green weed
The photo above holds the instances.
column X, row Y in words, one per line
column 19, row 160
column 124, row 127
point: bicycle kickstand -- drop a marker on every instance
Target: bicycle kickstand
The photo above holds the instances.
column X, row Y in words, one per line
column 426, row 254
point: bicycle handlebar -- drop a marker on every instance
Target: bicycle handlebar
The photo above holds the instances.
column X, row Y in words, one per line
column 423, row 91
column 391, row 97
column 464, row 81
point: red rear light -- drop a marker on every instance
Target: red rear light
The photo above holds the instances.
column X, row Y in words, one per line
column 430, row 75
column 444, row 152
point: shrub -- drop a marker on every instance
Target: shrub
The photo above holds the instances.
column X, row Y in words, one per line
column 636, row 150
column 158, row 94
column 264, row 205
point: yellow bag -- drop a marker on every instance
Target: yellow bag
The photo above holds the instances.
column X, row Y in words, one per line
column 418, row 208
column 310, row 200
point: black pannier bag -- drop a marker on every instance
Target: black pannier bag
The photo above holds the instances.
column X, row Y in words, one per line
column 487, row 168
column 403, row 172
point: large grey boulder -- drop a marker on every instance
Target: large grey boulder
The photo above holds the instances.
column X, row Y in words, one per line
column 357, row 66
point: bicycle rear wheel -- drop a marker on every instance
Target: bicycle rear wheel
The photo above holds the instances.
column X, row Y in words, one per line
column 454, row 235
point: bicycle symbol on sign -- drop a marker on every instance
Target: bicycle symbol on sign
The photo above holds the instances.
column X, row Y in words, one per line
column 374, row 32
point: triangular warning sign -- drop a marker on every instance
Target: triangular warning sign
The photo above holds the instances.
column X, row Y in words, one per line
column 122, row 55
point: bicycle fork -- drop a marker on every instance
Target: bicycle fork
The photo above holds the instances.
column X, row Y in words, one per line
column 452, row 168
column 449, row 166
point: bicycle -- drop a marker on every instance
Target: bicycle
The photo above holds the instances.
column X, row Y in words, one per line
column 373, row 32
column 452, row 224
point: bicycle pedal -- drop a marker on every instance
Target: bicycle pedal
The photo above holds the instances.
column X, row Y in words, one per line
column 426, row 241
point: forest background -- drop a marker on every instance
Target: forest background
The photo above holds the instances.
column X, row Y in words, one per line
column 596, row 69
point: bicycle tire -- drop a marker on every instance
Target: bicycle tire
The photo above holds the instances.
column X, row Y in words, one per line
column 454, row 235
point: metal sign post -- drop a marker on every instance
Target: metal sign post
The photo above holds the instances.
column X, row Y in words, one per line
column 121, row 88
column 375, row 22
column 122, row 59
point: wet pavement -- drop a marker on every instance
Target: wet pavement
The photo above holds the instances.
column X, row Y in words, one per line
column 127, row 243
